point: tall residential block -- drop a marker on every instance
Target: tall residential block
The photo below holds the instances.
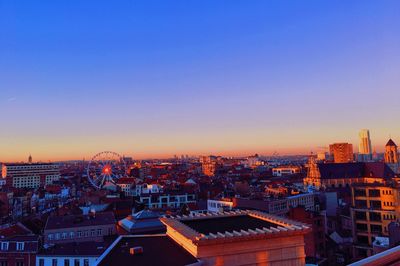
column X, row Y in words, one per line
column 342, row 152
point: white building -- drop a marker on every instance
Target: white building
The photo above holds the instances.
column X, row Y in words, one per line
column 285, row 170
column 30, row 175
column 165, row 200
column 70, row 254
column 219, row 205
column 306, row 200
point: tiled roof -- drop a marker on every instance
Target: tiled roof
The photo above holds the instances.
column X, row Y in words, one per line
column 58, row 222
column 75, row 249
column 13, row 230
column 391, row 143
column 31, row 244
column 354, row 170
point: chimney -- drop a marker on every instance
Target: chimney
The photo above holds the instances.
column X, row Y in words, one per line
column 136, row 250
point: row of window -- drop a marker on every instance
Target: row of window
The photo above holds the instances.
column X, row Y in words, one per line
column 389, row 217
column 387, row 192
column 66, row 262
column 5, row 245
column 390, row 203
column 13, row 168
column 171, row 199
column 373, row 216
column 372, row 192
column 373, row 228
column 79, row 234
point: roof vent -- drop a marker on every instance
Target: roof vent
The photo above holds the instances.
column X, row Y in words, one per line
column 136, row 250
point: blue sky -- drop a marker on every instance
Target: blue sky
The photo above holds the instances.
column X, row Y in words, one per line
column 155, row 78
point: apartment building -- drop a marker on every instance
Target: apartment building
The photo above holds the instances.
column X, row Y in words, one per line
column 374, row 207
column 79, row 228
column 30, row 175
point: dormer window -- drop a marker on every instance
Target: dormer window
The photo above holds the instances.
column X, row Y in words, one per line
column 20, row 246
column 4, row 245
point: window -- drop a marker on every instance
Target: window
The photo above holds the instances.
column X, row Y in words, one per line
column 376, row 204
column 3, row 263
column 19, row 263
column 374, row 193
column 361, row 203
column 361, row 215
column 92, row 232
column 71, row 234
column 79, row 234
column 362, row 239
column 376, row 228
column 20, row 246
column 76, row 262
column 362, row 227
column 4, row 245
column 99, row 232
column 54, row 262
column 375, row 216
column 66, row 262
column 86, row 262
column 41, row 262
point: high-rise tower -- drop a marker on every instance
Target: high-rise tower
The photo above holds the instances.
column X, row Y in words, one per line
column 364, row 148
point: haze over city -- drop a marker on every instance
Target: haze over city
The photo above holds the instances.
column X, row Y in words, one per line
column 212, row 77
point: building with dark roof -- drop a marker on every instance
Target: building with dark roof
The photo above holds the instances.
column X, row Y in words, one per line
column 154, row 250
column 18, row 246
column 79, row 228
column 73, row 253
column 143, row 222
column 325, row 175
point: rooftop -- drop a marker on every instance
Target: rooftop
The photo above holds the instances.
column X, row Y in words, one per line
column 354, row 170
column 157, row 250
column 14, row 230
column 227, row 224
column 240, row 225
column 75, row 249
column 58, row 222
column 391, row 143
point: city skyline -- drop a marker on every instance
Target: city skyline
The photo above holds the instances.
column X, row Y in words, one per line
column 229, row 78
column 228, row 153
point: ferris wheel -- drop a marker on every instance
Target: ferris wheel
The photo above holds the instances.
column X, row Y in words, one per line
column 106, row 166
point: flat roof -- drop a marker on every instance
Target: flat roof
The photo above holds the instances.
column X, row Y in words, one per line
column 157, row 250
column 229, row 224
